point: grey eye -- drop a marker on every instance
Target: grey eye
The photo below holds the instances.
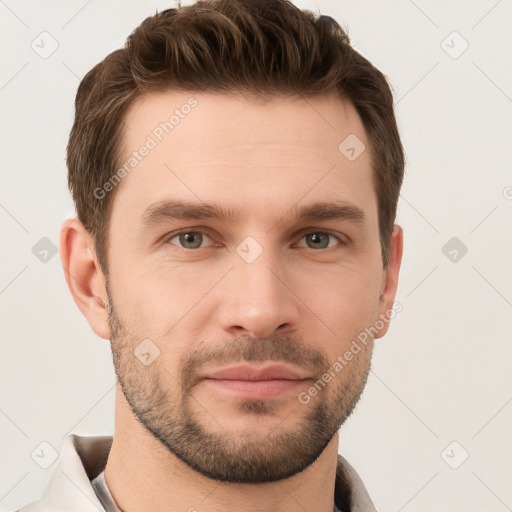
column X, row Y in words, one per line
column 190, row 239
column 318, row 239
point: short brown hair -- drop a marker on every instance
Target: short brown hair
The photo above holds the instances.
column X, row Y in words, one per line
column 262, row 49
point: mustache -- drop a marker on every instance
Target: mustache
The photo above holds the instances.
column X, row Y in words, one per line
column 281, row 349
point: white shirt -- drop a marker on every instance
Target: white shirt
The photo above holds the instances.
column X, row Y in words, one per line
column 110, row 505
column 77, row 483
column 102, row 491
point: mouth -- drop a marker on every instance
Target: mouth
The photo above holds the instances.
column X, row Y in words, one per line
column 250, row 382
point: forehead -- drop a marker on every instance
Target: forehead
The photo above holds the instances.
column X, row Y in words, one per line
column 315, row 123
column 245, row 155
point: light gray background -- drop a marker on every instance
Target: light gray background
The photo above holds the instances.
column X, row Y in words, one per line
column 442, row 373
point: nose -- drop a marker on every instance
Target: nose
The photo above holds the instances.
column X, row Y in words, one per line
column 257, row 299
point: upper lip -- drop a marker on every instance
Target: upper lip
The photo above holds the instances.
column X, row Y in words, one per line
column 249, row 372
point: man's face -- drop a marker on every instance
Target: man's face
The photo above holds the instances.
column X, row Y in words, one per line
column 259, row 289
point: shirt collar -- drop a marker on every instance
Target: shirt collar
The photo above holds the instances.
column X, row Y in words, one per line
column 82, row 458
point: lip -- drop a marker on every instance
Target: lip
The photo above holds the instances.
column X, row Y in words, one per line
column 245, row 372
column 250, row 382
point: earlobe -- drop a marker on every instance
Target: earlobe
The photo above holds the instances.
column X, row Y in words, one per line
column 84, row 276
column 390, row 280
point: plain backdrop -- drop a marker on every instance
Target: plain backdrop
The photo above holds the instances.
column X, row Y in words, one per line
column 432, row 431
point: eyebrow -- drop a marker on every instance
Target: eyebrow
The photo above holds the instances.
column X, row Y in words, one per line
column 177, row 209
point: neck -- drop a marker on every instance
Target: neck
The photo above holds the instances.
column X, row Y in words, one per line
column 142, row 474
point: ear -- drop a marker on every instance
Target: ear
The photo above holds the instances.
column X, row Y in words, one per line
column 390, row 280
column 84, row 276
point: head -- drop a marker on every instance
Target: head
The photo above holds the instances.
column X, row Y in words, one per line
column 236, row 169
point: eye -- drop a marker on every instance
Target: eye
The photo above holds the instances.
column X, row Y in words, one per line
column 320, row 239
column 188, row 239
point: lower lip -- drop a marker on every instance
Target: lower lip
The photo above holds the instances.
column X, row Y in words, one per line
column 256, row 389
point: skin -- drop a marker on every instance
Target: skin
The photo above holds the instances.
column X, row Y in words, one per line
column 206, row 308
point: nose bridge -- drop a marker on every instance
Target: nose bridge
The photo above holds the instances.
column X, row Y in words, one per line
column 259, row 268
column 255, row 297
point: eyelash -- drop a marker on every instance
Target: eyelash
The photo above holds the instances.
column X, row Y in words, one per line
column 343, row 242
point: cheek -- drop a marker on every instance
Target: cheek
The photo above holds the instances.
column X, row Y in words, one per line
column 160, row 302
column 340, row 292
column 344, row 304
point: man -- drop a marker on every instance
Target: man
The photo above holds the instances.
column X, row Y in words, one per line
column 236, row 170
